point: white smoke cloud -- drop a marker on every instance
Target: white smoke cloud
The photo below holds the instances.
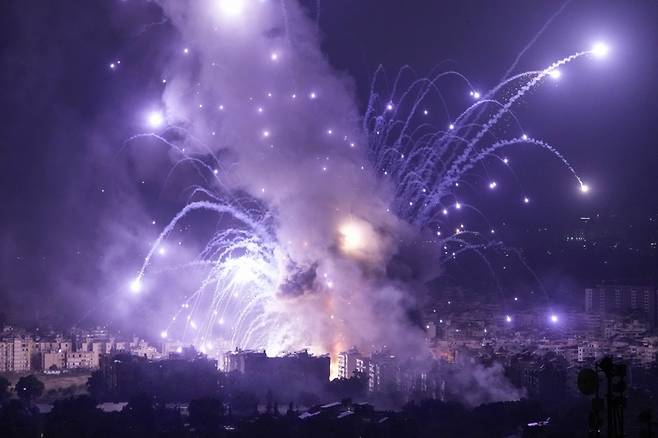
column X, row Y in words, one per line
column 252, row 86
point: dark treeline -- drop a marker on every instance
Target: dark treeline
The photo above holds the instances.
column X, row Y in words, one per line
column 145, row 416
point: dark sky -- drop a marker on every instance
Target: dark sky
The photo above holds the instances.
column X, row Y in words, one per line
column 65, row 116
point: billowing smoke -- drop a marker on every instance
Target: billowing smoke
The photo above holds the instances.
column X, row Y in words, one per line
column 252, row 88
column 474, row 384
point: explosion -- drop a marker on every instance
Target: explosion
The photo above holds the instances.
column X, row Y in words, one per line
column 311, row 208
column 359, row 240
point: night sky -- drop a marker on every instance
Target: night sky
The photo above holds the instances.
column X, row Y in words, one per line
column 69, row 191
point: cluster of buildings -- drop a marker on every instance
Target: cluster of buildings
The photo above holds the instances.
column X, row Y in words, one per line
column 21, row 351
column 288, row 375
column 541, row 350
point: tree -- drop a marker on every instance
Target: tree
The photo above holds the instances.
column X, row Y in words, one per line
column 97, row 387
column 206, row 414
column 28, row 388
column 77, row 417
column 18, row 420
column 4, row 389
column 140, row 415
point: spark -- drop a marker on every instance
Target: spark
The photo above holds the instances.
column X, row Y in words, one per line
column 526, row 200
column 554, row 318
column 584, row 188
column 508, row 318
column 555, row 74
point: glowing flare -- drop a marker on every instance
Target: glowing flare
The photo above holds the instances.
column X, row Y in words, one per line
column 584, row 188
column 555, row 74
column 155, row 119
column 136, row 286
column 600, row 50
